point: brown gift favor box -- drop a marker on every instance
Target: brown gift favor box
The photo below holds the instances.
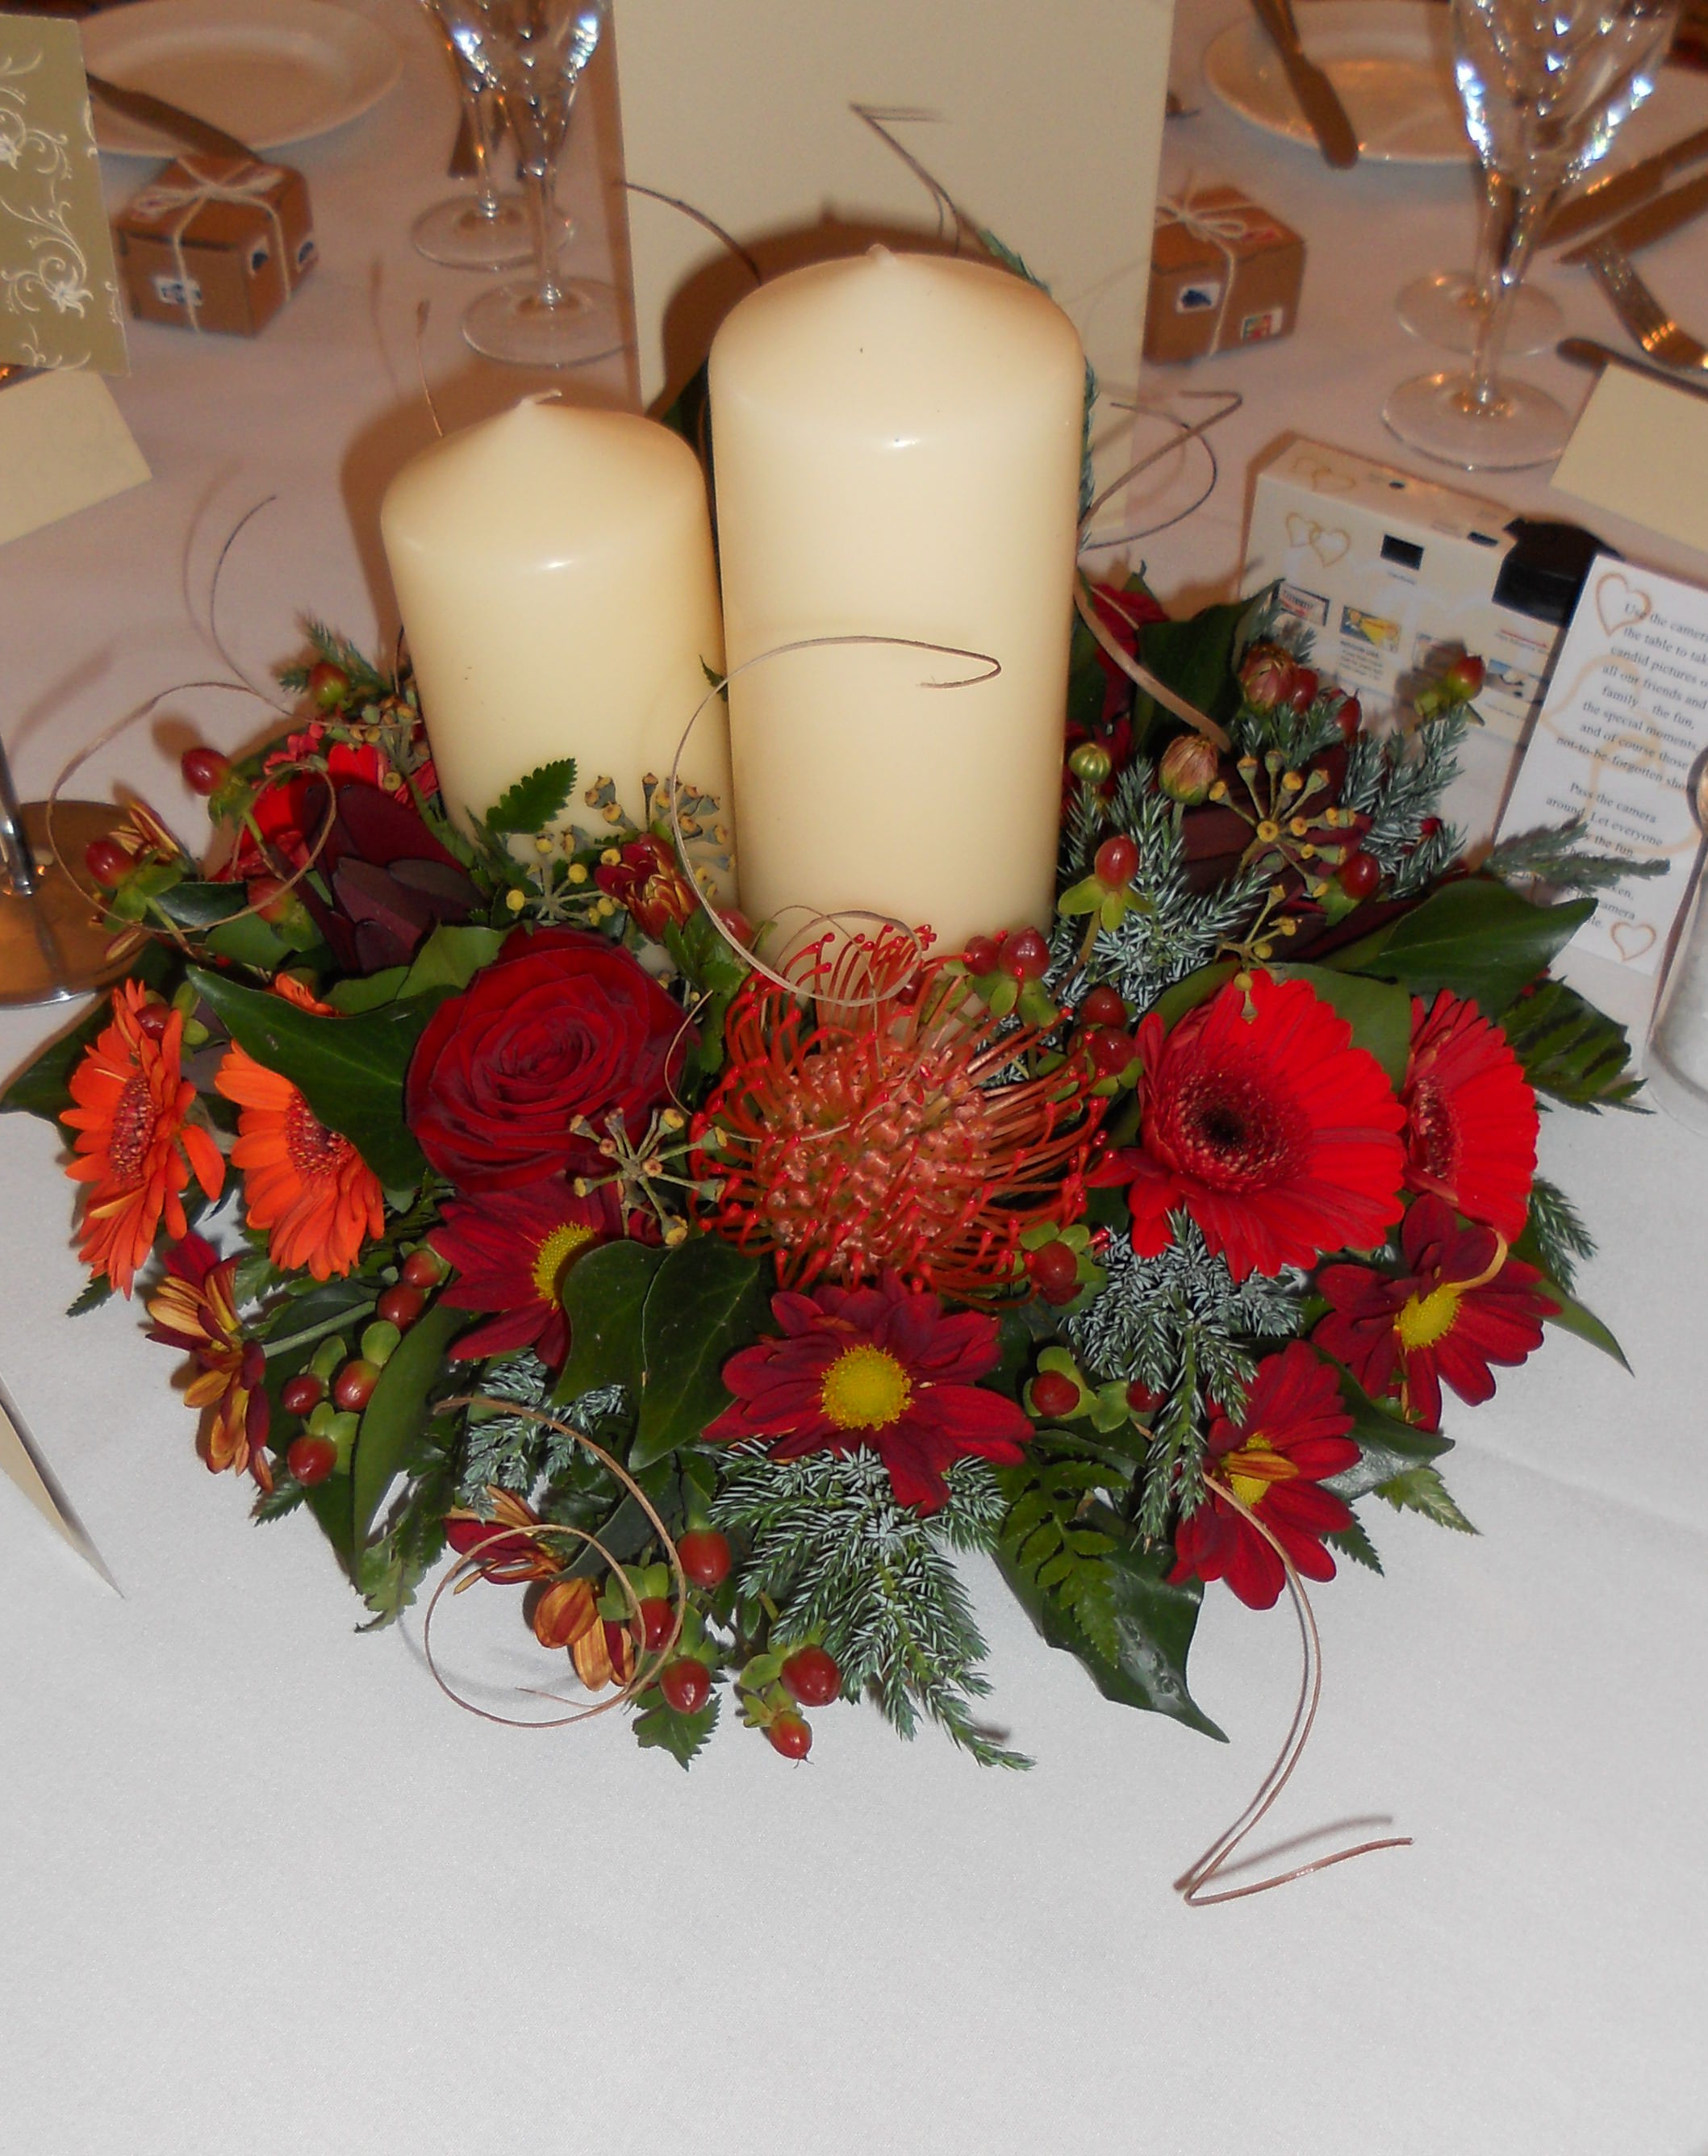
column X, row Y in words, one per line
column 1223, row 272
column 216, row 242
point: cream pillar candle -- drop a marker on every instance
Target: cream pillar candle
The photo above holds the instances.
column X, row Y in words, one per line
column 553, row 567
column 896, row 446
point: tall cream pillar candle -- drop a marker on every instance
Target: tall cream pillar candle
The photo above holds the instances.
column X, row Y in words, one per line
column 554, row 571
column 896, row 446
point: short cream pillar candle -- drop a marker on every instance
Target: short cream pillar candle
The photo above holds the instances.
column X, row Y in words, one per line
column 554, row 570
column 896, row 446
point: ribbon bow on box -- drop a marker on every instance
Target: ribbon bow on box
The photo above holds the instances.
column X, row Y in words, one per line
column 211, row 180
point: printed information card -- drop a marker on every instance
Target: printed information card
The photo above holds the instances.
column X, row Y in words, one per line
column 1620, row 741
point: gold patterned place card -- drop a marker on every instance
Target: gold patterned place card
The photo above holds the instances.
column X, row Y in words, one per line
column 58, row 293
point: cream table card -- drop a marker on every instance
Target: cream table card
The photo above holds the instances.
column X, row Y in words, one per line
column 1641, row 449
column 1620, row 741
column 58, row 292
column 1044, row 123
column 63, row 446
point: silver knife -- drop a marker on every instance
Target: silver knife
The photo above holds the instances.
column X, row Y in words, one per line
column 1318, row 98
column 1584, row 351
column 1620, row 191
column 188, row 128
column 1652, row 222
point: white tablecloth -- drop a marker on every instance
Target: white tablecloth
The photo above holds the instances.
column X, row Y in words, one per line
column 265, row 1890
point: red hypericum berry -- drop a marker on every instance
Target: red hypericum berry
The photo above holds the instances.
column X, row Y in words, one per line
column 1054, row 1395
column 685, row 1685
column 1302, row 690
column 1025, row 956
column 1115, row 862
column 704, row 1556
column 352, row 1388
column 1350, row 718
column 422, row 1268
column 813, row 1676
column 301, row 1395
column 658, row 1621
column 1142, row 1400
column 311, row 1460
column 1103, row 1006
column 1359, row 873
column 981, row 955
column 107, row 862
column 1464, row 678
column 1111, row 1050
column 1055, row 1272
column 328, row 685
column 790, row 1735
column 204, row 769
column 1429, row 826
column 151, row 1020
column 401, row 1306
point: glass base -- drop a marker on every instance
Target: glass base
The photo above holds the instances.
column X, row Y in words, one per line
column 513, row 323
column 459, row 234
column 1434, row 412
column 1443, row 309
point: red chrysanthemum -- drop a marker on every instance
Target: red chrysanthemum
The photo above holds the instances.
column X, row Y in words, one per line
column 1261, row 1120
column 511, row 1249
column 194, row 1308
column 1460, row 1306
column 879, row 1138
column 1470, row 1116
column 881, row 1367
column 649, row 882
column 135, row 1146
column 1291, row 1434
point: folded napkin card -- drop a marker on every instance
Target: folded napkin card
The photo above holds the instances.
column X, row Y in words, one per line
column 59, row 294
column 217, row 244
column 1223, row 273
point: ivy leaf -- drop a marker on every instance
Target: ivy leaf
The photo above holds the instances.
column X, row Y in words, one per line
column 1569, row 1050
column 1378, row 1012
column 395, row 1416
column 1422, row 1490
column 604, row 1294
column 659, row 1728
column 531, row 803
column 1474, row 936
column 349, row 1070
column 1388, row 1446
column 707, row 1300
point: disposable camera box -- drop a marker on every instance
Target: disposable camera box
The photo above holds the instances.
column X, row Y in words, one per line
column 1394, row 575
column 1224, row 272
column 216, row 244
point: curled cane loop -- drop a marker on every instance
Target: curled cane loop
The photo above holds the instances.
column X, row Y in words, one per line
column 1192, row 1882
column 648, row 1662
column 990, row 667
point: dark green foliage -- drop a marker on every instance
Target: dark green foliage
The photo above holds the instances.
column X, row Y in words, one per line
column 1555, row 1237
column 659, row 1726
column 1422, row 1490
column 1551, row 856
column 1569, row 1050
column 534, row 802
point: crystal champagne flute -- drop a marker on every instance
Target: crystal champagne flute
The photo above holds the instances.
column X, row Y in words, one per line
column 533, row 53
column 1444, row 306
column 1545, row 86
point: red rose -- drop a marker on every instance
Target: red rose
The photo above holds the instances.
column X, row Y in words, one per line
column 561, row 1024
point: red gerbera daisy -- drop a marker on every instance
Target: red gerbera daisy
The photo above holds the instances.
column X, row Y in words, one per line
column 1460, row 1305
column 1471, row 1117
column 1263, row 1121
column 194, row 1308
column 876, row 1366
column 511, row 1249
column 1291, row 1435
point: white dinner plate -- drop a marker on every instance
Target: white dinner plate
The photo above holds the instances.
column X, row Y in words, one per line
column 271, row 72
column 1390, row 60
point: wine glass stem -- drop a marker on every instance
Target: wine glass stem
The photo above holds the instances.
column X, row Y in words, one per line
column 1516, row 245
column 485, row 131
column 540, row 190
column 1491, row 222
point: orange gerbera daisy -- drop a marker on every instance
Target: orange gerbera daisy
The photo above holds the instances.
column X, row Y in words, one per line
column 308, row 1186
column 136, row 1147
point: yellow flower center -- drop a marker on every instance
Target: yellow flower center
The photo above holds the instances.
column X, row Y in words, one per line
column 864, row 1389
column 1425, row 1319
column 1253, row 1467
column 552, row 1258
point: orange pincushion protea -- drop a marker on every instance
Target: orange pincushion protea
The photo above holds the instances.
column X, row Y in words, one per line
column 877, row 1137
column 136, row 1148
column 308, row 1186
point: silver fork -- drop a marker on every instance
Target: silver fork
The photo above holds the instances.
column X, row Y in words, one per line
column 1642, row 313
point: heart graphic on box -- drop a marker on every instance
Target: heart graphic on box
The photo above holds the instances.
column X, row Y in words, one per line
column 1328, row 546
column 1618, row 604
column 1326, row 479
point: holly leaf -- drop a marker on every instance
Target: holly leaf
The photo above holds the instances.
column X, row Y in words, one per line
column 531, row 803
column 396, row 1415
column 349, row 1070
column 1388, row 1446
column 604, row 1294
column 707, row 1300
column 1474, row 936
column 1422, row 1490
column 659, row 1728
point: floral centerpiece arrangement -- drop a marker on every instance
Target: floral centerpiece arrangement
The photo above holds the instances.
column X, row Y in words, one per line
column 500, row 1203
